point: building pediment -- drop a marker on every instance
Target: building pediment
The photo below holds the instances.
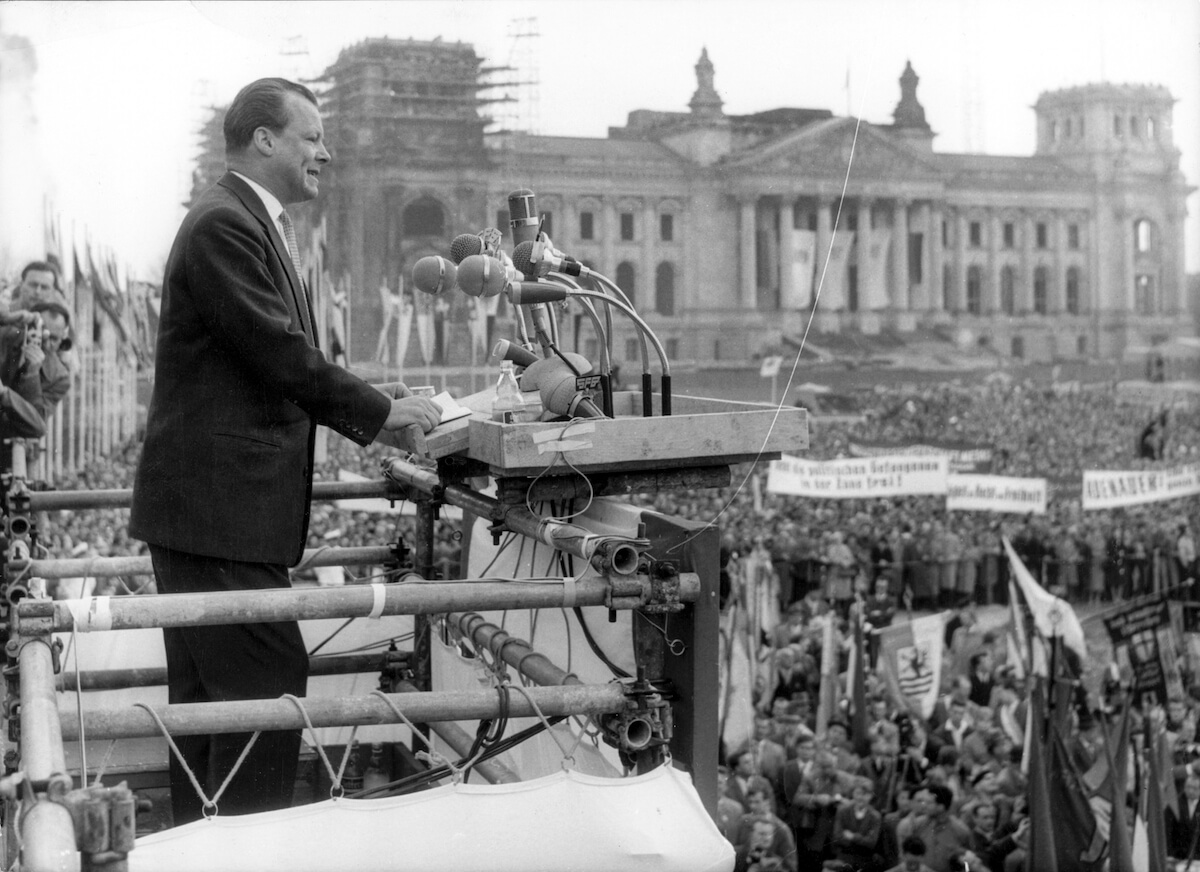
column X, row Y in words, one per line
column 827, row 148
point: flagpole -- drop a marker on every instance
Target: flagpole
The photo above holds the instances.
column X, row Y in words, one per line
column 1140, row 600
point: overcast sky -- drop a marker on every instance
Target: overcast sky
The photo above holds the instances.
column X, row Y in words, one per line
column 120, row 87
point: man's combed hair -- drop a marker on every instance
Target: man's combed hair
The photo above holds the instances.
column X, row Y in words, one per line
column 259, row 104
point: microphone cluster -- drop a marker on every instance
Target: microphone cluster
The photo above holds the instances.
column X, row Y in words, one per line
column 536, row 274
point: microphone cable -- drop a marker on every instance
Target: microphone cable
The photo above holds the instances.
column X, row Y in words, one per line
column 803, row 339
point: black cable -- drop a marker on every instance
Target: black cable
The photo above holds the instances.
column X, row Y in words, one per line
column 419, row 779
column 596, row 649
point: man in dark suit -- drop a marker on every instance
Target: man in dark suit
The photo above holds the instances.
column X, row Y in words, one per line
column 223, row 488
column 1183, row 829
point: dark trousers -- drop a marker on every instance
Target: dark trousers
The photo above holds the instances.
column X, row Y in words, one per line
column 231, row 662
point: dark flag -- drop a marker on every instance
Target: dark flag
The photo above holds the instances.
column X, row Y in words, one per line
column 1078, row 842
column 858, row 690
column 1152, row 444
column 1156, row 829
column 1042, row 855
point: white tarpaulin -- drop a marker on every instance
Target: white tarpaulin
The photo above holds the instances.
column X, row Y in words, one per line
column 563, row 821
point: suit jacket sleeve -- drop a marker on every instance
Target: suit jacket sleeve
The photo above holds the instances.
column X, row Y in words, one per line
column 235, row 294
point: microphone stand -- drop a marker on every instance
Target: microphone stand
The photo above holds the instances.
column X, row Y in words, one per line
column 603, row 336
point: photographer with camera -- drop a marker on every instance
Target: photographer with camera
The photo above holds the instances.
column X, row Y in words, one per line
column 25, row 366
column 40, row 311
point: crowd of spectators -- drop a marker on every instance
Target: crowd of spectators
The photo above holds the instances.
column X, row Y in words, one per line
column 936, row 793
column 936, row 556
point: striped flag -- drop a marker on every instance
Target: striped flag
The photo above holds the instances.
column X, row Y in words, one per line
column 910, row 655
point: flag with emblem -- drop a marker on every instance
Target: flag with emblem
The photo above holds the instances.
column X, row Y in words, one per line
column 910, row 657
column 1052, row 615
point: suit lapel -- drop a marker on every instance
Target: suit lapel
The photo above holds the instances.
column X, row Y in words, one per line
column 254, row 203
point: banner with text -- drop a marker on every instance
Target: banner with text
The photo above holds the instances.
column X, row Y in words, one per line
column 964, row 456
column 996, row 493
column 1144, row 649
column 857, row 478
column 1108, row 489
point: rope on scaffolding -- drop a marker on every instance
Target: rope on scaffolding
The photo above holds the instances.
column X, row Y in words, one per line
column 336, row 791
column 207, row 803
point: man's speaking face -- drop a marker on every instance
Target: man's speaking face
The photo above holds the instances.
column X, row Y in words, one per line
column 299, row 153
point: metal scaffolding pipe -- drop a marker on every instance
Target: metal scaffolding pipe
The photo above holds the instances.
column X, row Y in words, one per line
column 108, row 567
column 493, row 771
column 515, row 652
column 614, row 552
column 39, row 616
column 42, row 756
column 121, row 498
column 118, row 679
column 245, row 716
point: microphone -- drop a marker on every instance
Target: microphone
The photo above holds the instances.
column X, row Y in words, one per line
column 523, row 260
column 505, row 350
column 556, row 385
column 465, row 245
column 545, row 253
column 483, row 276
column 533, row 293
column 434, row 274
column 522, row 216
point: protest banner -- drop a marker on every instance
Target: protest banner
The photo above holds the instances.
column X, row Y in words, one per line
column 1110, row 489
column 996, row 493
column 964, row 456
column 858, row 478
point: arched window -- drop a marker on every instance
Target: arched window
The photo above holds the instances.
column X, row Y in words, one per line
column 625, row 278
column 974, row 290
column 1040, row 290
column 664, row 289
column 1143, row 235
column 1008, row 290
column 1151, row 130
column 1072, row 297
column 424, row 217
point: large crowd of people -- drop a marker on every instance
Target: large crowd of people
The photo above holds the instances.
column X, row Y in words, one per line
column 941, row 793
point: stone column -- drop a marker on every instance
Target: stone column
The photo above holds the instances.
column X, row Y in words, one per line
column 900, row 255
column 824, row 234
column 991, row 277
column 649, row 246
column 1174, row 264
column 1057, row 290
column 937, row 258
column 748, row 268
column 862, row 234
column 1128, row 243
column 787, row 252
column 608, row 236
column 770, row 252
column 956, row 298
column 1024, row 289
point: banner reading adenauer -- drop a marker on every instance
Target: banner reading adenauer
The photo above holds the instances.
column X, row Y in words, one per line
column 1107, row 489
column 996, row 493
column 858, row 477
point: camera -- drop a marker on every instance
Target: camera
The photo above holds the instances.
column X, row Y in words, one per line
column 34, row 331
